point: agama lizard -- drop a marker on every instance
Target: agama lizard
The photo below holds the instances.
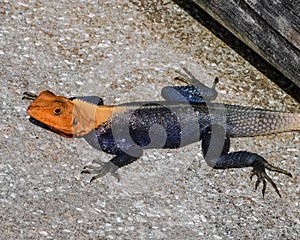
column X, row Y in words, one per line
column 187, row 116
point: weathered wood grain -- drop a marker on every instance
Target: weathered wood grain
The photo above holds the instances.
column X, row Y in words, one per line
column 283, row 16
column 270, row 28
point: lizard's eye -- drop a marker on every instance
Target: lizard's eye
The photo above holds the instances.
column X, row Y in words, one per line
column 57, row 111
column 74, row 123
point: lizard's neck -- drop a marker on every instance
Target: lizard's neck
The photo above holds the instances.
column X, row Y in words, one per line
column 87, row 116
column 103, row 114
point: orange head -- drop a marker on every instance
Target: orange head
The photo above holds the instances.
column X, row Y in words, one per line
column 56, row 112
column 67, row 117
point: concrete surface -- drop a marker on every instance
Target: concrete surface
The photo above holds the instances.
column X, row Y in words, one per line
column 127, row 51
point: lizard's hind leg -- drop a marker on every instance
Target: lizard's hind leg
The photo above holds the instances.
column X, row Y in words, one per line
column 237, row 159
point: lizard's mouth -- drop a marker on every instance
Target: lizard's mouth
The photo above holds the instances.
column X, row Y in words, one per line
column 51, row 129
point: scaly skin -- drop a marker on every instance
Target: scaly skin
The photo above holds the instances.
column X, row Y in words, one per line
column 125, row 130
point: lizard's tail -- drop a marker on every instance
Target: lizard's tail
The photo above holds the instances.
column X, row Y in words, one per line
column 291, row 121
column 260, row 122
column 285, row 122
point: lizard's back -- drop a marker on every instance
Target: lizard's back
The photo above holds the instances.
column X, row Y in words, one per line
column 174, row 124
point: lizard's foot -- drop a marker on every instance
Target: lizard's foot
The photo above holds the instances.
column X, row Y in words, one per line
column 196, row 87
column 259, row 169
column 100, row 169
column 190, row 79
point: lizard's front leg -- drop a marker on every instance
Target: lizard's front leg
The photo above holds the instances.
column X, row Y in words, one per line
column 102, row 168
column 238, row 159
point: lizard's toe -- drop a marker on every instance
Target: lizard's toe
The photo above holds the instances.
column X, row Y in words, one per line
column 259, row 170
column 100, row 169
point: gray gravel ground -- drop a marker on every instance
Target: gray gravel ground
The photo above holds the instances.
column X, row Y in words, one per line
column 127, row 51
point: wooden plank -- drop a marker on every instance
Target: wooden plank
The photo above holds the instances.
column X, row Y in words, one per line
column 270, row 28
column 282, row 15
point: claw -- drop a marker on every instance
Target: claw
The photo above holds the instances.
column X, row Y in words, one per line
column 206, row 93
column 216, row 81
column 101, row 170
column 186, row 77
column 190, row 79
column 259, row 169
